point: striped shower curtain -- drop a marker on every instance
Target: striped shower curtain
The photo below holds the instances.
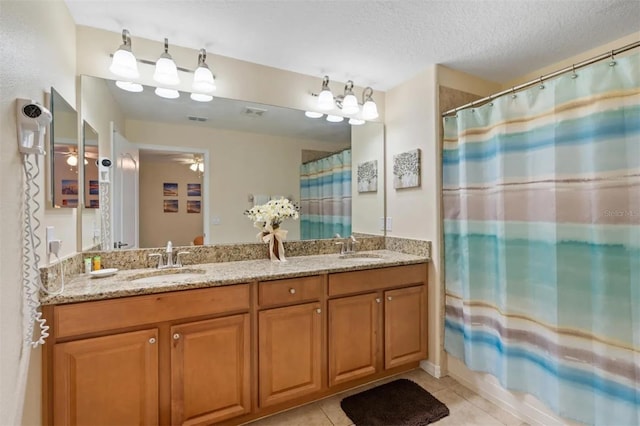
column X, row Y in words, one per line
column 541, row 196
column 325, row 197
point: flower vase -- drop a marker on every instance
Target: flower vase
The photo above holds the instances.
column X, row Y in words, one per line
column 274, row 240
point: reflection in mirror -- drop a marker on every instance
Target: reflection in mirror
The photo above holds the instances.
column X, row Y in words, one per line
column 90, row 145
column 255, row 152
column 64, row 152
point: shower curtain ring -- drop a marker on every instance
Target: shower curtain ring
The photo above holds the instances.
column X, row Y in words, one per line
column 541, row 83
column 513, row 90
column 612, row 63
column 490, row 100
column 573, row 68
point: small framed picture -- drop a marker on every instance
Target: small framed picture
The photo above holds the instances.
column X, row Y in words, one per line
column 70, row 202
column 170, row 189
column 170, row 206
column 368, row 176
column 94, row 204
column 193, row 190
column 69, row 187
column 193, row 206
column 94, row 188
column 406, row 169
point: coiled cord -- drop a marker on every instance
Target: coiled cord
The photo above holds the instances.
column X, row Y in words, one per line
column 32, row 282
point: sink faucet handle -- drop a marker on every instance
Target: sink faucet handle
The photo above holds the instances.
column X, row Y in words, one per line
column 341, row 244
column 353, row 242
column 179, row 258
column 159, row 256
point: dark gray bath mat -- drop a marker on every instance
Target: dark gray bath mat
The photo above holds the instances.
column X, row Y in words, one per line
column 401, row 402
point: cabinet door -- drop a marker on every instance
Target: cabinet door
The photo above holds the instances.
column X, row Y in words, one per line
column 289, row 352
column 111, row 380
column 210, row 365
column 405, row 326
column 353, row 337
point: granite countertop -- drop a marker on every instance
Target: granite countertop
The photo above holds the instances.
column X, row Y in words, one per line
column 134, row 282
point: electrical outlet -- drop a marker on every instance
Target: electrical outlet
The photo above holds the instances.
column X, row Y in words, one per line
column 50, row 237
column 215, row 220
column 389, row 224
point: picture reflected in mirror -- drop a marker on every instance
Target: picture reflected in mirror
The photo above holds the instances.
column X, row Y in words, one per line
column 240, row 153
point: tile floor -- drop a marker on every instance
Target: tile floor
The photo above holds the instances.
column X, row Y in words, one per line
column 465, row 406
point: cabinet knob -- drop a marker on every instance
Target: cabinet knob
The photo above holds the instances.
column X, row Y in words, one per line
column 318, row 311
column 378, row 300
column 389, row 298
column 152, row 340
column 176, row 336
column 292, row 290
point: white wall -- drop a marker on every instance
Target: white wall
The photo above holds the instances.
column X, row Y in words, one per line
column 367, row 144
column 240, row 164
column 37, row 44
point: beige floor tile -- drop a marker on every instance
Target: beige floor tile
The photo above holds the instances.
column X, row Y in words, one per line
column 463, row 412
column 427, row 381
column 308, row 415
column 332, row 409
column 486, row 405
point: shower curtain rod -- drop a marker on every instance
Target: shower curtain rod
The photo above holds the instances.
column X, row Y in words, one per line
column 546, row 77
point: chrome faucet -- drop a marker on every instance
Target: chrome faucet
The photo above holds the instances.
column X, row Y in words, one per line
column 169, row 252
column 347, row 245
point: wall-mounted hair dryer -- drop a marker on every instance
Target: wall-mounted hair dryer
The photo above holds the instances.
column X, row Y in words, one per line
column 32, row 120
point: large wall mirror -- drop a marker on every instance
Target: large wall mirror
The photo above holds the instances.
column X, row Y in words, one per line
column 64, row 153
column 202, row 164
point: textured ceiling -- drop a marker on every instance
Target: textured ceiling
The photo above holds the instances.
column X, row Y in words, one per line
column 376, row 43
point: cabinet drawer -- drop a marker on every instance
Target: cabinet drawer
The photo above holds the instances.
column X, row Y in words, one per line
column 376, row 279
column 103, row 315
column 289, row 291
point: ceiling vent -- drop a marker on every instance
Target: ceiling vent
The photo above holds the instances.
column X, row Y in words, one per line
column 194, row 118
column 254, row 112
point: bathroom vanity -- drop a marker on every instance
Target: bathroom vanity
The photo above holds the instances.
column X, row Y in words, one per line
column 232, row 342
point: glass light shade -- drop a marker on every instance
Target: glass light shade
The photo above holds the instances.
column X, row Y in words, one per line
column 129, row 86
column 166, row 71
column 334, row 118
column 313, row 114
column 193, row 167
column 356, row 121
column 72, row 160
column 369, row 110
column 201, row 167
column 325, row 100
column 167, row 93
column 124, row 64
column 350, row 105
column 203, row 80
column 201, row 97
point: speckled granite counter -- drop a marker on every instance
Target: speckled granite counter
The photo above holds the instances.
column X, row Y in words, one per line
column 132, row 282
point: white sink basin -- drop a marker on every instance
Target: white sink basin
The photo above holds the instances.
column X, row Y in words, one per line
column 362, row 257
column 168, row 276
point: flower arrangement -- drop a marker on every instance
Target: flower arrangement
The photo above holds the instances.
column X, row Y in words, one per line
column 267, row 218
column 271, row 214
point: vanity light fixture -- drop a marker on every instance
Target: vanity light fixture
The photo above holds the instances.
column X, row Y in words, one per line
column 200, row 97
column 203, row 81
column 167, row 93
column 166, row 71
column 325, row 98
column 346, row 103
column 124, row 63
column 369, row 107
column 129, row 86
column 334, row 118
column 349, row 102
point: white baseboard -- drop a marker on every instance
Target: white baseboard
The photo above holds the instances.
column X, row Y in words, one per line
column 524, row 406
column 431, row 368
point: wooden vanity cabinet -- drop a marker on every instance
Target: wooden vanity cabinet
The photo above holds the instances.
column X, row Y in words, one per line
column 173, row 358
column 290, row 324
column 388, row 323
column 107, row 380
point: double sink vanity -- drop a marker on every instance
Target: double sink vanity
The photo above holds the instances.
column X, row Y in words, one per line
column 228, row 342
